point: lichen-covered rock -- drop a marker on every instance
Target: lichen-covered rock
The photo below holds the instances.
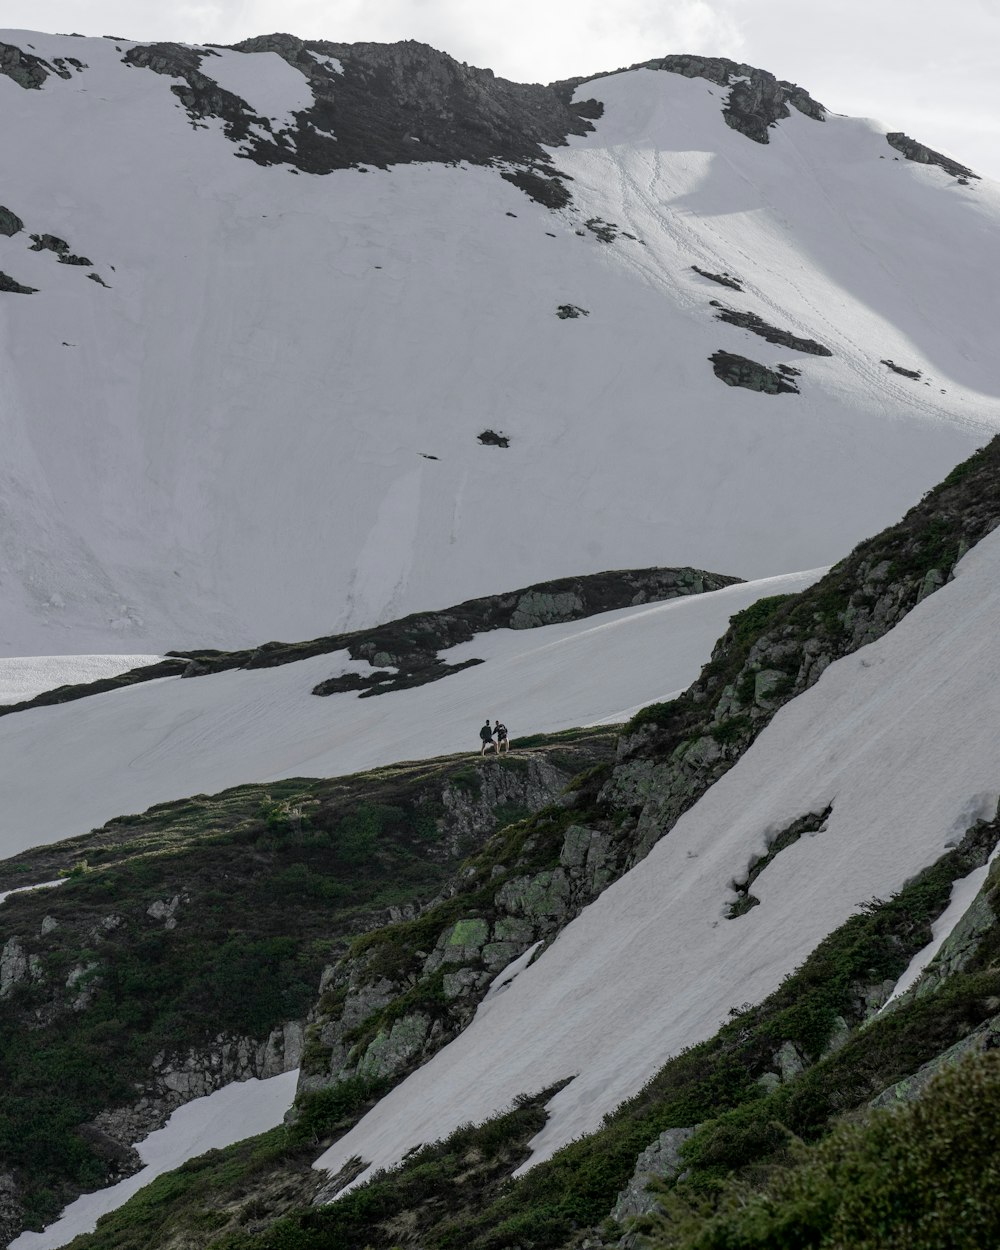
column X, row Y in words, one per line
column 13, row 966
column 659, row 1161
column 535, row 609
column 390, row 1051
column 985, row 1037
column 544, row 895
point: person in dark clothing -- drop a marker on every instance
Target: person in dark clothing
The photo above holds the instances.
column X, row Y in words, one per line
column 501, row 735
column 486, row 736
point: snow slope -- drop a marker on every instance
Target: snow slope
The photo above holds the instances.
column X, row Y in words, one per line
column 892, row 736
column 23, row 677
column 71, row 766
column 232, row 1113
column 232, row 442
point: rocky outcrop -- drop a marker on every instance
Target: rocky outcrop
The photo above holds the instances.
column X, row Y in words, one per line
column 914, row 151
column 402, row 993
column 985, row 1037
column 383, row 104
column 757, row 325
column 670, row 755
column 737, row 370
column 10, row 223
column 660, row 1161
column 176, row 1079
column 723, row 279
column 26, row 69
column 52, row 243
column 13, row 287
column 915, row 374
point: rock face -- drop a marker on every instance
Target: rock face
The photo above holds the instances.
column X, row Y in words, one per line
column 757, row 325
column 737, row 370
column 914, row 151
column 176, row 1079
column 10, row 223
column 404, row 992
column 51, row 243
column 659, row 1161
column 383, row 104
column 25, row 69
column 13, row 287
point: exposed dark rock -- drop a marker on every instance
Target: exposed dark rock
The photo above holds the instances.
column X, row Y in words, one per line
column 412, row 645
column 392, row 104
column 10, row 223
column 539, row 185
column 200, row 95
column 741, row 371
column 25, row 69
column 571, row 311
column 915, row 374
column 605, row 230
column 490, row 438
column 757, row 325
column 52, row 243
column 767, row 684
column 914, row 151
column 757, row 100
column 96, row 277
column 7, row 283
column 724, row 279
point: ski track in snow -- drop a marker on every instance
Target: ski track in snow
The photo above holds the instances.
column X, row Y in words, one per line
column 125, row 750
column 242, row 1109
column 652, row 966
column 422, row 314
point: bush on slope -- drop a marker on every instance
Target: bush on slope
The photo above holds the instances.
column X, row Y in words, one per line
column 923, row 1176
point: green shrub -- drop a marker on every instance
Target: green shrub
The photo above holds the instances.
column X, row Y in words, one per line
column 924, row 1176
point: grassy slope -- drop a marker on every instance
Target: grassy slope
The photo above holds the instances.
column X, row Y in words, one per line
column 273, row 882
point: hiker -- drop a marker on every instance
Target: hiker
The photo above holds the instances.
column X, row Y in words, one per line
column 501, row 733
column 486, row 734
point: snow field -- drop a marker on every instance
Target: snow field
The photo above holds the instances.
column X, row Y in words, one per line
column 25, row 676
column 364, row 323
column 120, row 752
column 891, row 736
column 232, row 1113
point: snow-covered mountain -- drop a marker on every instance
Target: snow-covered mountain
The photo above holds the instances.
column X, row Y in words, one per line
column 301, row 337
column 317, row 283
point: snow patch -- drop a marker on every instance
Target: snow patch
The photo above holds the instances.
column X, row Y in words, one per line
column 232, row 1113
column 25, row 676
column 273, row 88
column 39, row 885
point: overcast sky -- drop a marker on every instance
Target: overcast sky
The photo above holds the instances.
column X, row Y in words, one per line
column 922, row 66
